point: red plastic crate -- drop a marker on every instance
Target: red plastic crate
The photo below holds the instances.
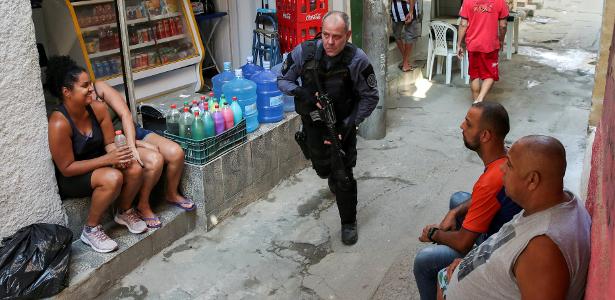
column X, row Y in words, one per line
column 293, row 36
column 299, row 20
column 301, row 11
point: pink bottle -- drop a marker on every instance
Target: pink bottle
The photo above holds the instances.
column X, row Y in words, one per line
column 218, row 120
column 227, row 113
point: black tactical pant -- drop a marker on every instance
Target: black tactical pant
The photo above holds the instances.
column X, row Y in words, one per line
column 321, row 156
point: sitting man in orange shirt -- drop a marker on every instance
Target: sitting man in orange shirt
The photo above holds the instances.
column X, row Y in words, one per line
column 472, row 218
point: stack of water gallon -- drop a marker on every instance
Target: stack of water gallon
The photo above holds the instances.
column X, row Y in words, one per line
column 256, row 90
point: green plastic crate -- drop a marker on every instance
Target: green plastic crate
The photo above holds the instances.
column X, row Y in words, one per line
column 202, row 151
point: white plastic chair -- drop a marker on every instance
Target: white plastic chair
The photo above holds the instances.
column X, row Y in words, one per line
column 438, row 46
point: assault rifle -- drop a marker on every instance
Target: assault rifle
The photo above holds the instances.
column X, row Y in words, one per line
column 327, row 115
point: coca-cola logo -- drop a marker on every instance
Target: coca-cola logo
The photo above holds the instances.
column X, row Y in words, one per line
column 286, row 16
column 313, row 17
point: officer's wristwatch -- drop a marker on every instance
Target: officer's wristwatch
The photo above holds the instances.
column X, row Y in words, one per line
column 431, row 232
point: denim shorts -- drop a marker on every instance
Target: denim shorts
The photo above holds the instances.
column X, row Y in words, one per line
column 141, row 133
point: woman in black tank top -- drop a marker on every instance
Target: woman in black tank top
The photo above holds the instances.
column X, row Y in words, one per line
column 81, row 144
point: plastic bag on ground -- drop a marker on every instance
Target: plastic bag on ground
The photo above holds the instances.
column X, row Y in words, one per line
column 34, row 261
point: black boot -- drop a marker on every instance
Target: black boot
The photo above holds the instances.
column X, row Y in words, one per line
column 350, row 234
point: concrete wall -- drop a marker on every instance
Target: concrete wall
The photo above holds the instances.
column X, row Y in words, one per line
column 28, row 190
column 601, row 190
column 608, row 23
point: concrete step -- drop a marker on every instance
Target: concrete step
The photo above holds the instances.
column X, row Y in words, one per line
column 91, row 272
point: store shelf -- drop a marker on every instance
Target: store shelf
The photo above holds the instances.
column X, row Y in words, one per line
column 104, row 53
column 90, row 2
column 154, row 18
column 146, row 44
column 94, row 28
column 169, row 15
column 172, row 38
column 155, row 70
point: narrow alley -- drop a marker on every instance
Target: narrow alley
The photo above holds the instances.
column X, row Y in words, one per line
column 287, row 245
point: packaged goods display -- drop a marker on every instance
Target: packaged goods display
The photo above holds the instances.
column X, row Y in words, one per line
column 156, row 35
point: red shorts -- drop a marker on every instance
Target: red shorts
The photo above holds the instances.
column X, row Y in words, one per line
column 483, row 65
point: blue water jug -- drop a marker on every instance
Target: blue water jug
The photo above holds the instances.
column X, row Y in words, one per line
column 245, row 91
column 250, row 69
column 287, row 100
column 268, row 96
column 221, row 79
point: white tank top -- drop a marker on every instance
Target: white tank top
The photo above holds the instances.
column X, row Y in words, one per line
column 487, row 271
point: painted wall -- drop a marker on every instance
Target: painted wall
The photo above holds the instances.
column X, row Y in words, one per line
column 601, row 188
column 606, row 32
column 28, row 190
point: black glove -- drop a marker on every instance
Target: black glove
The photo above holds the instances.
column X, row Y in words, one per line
column 305, row 101
column 347, row 127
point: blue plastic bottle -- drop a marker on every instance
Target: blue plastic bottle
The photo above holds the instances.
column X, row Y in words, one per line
column 268, row 96
column 222, row 78
column 289, row 101
column 237, row 113
column 250, row 69
column 245, row 91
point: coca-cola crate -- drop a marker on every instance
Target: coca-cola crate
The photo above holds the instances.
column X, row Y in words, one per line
column 301, row 11
column 291, row 36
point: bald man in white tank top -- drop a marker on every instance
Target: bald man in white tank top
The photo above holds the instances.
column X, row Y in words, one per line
column 543, row 252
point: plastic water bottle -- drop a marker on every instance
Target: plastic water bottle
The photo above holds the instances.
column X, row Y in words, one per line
column 269, row 97
column 227, row 113
column 186, row 104
column 173, row 120
column 289, row 101
column 208, row 121
column 222, row 100
column 202, row 104
column 195, row 106
column 185, row 124
column 212, row 101
column 237, row 114
column 221, row 79
column 120, row 141
column 250, row 69
column 198, row 127
column 245, row 91
column 218, row 120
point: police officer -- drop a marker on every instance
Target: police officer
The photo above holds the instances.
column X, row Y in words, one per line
column 339, row 69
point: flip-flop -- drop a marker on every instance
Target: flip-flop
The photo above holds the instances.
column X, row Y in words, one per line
column 409, row 70
column 182, row 204
column 146, row 219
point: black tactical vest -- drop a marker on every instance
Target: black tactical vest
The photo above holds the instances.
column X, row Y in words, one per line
column 336, row 81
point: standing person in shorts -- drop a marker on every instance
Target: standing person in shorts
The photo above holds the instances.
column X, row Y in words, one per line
column 483, row 24
column 406, row 29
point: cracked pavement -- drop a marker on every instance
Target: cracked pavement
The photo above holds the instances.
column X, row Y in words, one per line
column 287, row 245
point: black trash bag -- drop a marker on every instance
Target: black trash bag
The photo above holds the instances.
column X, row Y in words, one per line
column 34, row 262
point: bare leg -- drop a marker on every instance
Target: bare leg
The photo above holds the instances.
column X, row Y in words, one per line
column 107, row 184
column 174, row 158
column 484, row 89
column 133, row 178
column 406, row 55
column 153, row 163
column 475, row 87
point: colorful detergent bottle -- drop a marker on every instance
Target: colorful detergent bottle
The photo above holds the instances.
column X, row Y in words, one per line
column 198, row 127
column 250, row 69
column 221, row 79
column 245, row 91
column 227, row 113
column 208, row 121
column 185, row 123
column 268, row 96
column 237, row 114
column 218, row 120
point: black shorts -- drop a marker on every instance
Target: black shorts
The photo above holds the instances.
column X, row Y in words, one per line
column 76, row 186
